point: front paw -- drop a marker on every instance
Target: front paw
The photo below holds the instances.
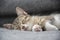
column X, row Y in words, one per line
column 36, row 28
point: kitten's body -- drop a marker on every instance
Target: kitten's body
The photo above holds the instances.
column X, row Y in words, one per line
column 31, row 23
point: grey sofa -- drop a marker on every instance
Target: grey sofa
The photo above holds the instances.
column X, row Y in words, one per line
column 25, row 35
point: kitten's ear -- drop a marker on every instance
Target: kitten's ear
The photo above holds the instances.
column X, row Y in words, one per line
column 8, row 26
column 20, row 11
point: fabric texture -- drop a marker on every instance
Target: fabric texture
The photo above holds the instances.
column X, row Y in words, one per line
column 25, row 35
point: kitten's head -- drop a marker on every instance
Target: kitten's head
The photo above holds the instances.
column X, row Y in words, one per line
column 30, row 21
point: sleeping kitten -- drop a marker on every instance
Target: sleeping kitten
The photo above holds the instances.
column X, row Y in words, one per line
column 31, row 23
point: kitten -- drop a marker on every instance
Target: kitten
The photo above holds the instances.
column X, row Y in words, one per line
column 26, row 22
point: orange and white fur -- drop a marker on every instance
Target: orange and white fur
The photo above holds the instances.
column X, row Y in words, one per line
column 26, row 22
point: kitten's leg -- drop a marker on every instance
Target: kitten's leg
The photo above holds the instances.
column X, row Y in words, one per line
column 50, row 27
column 8, row 26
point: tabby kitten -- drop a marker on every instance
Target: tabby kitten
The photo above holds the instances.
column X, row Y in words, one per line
column 26, row 22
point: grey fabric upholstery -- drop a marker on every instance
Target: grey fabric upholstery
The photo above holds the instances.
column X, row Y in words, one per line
column 25, row 35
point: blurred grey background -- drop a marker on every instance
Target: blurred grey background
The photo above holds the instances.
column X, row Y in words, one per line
column 33, row 7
